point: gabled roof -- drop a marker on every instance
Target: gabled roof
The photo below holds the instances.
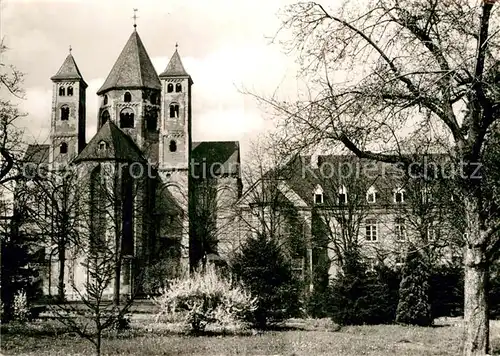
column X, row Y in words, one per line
column 37, row 154
column 118, row 146
column 175, row 68
column 132, row 69
column 217, row 158
column 68, row 71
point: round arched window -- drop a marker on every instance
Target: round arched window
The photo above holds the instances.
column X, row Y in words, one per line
column 127, row 97
column 127, row 118
column 104, row 117
column 105, row 100
column 172, row 146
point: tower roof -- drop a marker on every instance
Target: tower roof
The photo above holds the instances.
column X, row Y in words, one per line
column 68, row 71
column 175, row 67
column 132, row 69
column 118, row 146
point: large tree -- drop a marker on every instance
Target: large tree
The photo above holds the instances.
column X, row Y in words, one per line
column 386, row 71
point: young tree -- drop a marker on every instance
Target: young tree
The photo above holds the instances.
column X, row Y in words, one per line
column 394, row 69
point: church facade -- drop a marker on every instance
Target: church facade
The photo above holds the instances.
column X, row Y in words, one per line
column 140, row 186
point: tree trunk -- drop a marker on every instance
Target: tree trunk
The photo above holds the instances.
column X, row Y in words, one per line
column 476, row 318
column 62, row 263
column 475, row 302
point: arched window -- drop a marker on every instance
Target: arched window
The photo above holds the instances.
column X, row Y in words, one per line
column 127, row 118
column 318, row 195
column 172, row 146
column 63, row 148
column 127, row 97
column 70, row 91
column 170, row 88
column 152, row 122
column 174, row 110
column 105, row 100
column 64, row 113
column 62, row 91
column 104, row 117
column 178, row 88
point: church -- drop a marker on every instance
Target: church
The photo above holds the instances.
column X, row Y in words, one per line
column 143, row 186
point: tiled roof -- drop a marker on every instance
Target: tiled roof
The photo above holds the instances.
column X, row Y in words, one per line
column 69, row 71
column 175, row 67
column 111, row 143
column 217, row 158
column 37, row 154
column 132, row 69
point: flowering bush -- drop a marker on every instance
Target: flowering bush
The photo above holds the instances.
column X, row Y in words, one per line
column 21, row 310
column 206, row 298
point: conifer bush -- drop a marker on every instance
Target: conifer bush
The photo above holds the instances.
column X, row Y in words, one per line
column 414, row 307
column 263, row 268
column 359, row 295
column 205, row 298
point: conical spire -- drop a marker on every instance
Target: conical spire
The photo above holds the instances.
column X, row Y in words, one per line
column 174, row 67
column 69, row 71
column 132, row 69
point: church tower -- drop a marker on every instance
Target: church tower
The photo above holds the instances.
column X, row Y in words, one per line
column 130, row 97
column 67, row 130
column 175, row 130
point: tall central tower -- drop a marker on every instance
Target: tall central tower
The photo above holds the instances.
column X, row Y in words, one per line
column 130, row 97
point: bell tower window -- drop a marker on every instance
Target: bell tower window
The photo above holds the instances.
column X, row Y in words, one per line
column 70, row 91
column 170, row 88
column 105, row 100
column 63, row 148
column 178, row 88
column 151, row 122
column 62, row 91
column 174, row 110
column 127, row 97
column 127, row 118
column 64, row 113
column 172, row 146
column 104, row 117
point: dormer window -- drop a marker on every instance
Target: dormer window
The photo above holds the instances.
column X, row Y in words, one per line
column 63, row 148
column 174, row 110
column 399, row 195
column 318, row 195
column 64, row 113
column 178, row 88
column 103, row 146
column 62, row 91
column 127, row 97
column 371, row 195
column 105, row 100
column 342, row 195
column 170, row 88
column 70, row 91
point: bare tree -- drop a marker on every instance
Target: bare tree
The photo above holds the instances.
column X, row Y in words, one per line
column 395, row 69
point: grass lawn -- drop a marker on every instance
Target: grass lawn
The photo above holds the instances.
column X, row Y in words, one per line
column 44, row 338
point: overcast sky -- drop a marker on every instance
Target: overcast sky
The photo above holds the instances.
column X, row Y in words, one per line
column 222, row 43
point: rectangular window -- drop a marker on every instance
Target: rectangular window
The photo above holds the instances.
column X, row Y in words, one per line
column 371, row 197
column 342, row 198
column 400, row 229
column 371, row 230
column 318, row 198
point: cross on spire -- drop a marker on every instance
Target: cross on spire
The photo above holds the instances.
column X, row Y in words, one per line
column 176, row 45
column 70, row 49
column 135, row 17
